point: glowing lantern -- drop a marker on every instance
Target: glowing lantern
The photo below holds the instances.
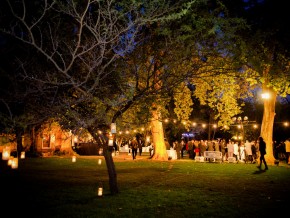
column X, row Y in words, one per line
column 6, row 153
column 22, row 155
column 14, row 164
column 74, row 158
column 100, row 161
column 100, row 191
column 10, row 159
column 100, row 151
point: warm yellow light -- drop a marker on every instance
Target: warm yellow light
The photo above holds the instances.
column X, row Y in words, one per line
column 142, row 129
column 239, row 126
column 100, row 191
column 73, row 158
column 265, row 95
column 286, row 124
column 127, row 132
column 255, row 126
column 22, row 155
column 194, row 124
column 14, row 164
column 166, row 120
column 203, row 125
column 214, row 126
column 10, row 159
column 6, row 153
column 100, row 161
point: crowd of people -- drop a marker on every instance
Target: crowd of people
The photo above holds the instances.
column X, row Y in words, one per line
column 248, row 152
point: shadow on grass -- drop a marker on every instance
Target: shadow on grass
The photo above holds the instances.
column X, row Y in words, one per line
column 259, row 171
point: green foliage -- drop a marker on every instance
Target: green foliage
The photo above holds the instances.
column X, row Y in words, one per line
column 183, row 103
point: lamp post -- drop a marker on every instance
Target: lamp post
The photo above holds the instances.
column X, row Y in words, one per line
column 241, row 122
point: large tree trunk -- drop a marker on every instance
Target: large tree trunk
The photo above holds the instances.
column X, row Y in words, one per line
column 268, row 123
column 158, row 137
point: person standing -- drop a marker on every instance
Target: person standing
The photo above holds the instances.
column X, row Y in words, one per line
column 183, row 147
column 262, row 149
column 190, row 149
column 134, row 147
column 230, row 149
column 287, row 148
column 177, row 146
column 167, row 145
column 140, row 146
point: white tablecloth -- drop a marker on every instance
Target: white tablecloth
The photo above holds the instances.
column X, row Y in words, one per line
column 145, row 149
column 172, row 153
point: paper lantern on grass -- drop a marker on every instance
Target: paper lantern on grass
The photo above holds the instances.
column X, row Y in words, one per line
column 100, row 161
column 74, row 158
column 100, row 191
column 6, row 153
column 10, row 159
column 22, row 155
column 14, row 164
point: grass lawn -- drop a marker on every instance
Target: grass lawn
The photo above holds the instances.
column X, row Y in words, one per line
column 57, row 187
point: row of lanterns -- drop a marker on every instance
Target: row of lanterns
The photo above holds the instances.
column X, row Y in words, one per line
column 11, row 160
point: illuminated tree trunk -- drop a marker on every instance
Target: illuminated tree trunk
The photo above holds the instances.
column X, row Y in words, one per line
column 268, row 123
column 158, row 137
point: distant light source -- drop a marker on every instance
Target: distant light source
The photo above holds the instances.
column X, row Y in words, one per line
column 74, row 158
column 22, row 155
column 6, row 153
column 100, row 191
column 265, row 95
column 14, row 164
column 9, row 162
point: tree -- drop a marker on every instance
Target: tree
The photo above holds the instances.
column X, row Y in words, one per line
column 78, row 48
column 266, row 53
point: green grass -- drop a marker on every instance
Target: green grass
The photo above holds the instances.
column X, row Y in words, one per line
column 56, row 187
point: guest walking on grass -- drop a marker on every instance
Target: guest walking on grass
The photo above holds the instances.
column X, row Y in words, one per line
column 262, row 149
